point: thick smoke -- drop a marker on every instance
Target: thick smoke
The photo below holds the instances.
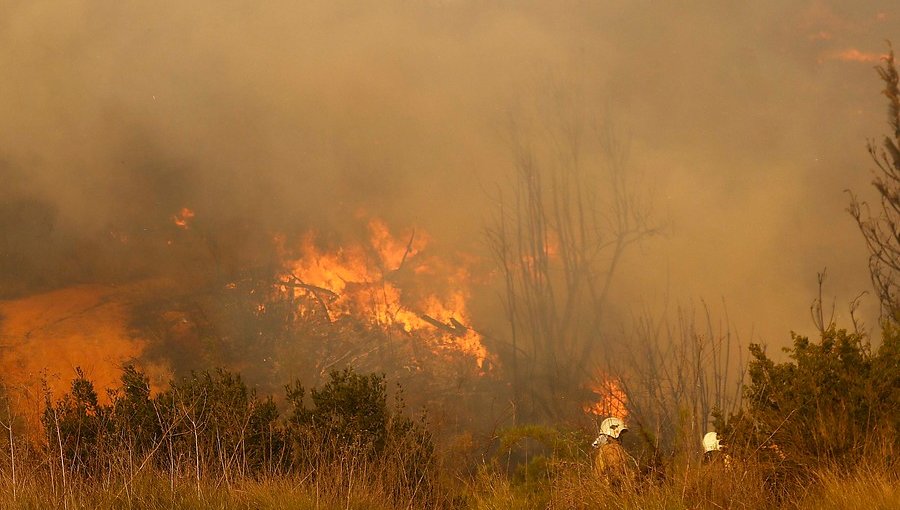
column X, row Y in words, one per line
column 747, row 122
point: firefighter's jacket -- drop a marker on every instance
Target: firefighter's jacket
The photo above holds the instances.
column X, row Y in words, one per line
column 613, row 464
column 717, row 459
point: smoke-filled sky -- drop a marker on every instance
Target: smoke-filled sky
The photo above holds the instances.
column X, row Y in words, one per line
column 747, row 122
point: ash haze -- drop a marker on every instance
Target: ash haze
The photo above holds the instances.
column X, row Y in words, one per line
column 747, row 123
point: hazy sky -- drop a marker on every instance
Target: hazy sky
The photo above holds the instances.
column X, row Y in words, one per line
column 747, row 121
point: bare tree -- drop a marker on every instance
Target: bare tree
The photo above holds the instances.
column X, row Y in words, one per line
column 881, row 229
column 565, row 219
column 678, row 374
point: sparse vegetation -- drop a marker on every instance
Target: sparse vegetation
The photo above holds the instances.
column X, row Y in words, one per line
column 210, row 440
column 879, row 228
column 817, row 431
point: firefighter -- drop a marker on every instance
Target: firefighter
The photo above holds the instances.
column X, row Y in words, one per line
column 717, row 478
column 612, row 464
column 712, row 450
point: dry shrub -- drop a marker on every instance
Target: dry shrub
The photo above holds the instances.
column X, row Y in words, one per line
column 874, row 484
column 713, row 486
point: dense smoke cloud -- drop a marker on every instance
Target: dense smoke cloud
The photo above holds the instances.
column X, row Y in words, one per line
column 747, row 122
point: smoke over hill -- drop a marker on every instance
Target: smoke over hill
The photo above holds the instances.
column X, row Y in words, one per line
column 274, row 122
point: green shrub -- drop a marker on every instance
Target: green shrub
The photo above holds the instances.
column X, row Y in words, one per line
column 77, row 426
column 349, row 411
column 350, row 422
column 834, row 401
column 134, row 415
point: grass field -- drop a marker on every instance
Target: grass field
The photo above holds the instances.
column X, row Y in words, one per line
column 357, row 484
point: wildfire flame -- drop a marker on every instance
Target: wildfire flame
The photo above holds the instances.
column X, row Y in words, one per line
column 389, row 280
column 610, row 398
column 183, row 218
column 381, row 281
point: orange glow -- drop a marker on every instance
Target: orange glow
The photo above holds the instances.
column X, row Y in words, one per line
column 854, row 55
column 87, row 326
column 610, row 399
column 183, row 218
column 383, row 281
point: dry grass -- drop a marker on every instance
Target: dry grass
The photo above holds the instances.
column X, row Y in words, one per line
column 156, row 491
column 352, row 481
column 569, row 486
column 740, row 486
column 869, row 487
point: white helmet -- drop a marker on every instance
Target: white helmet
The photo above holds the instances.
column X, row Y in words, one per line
column 711, row 442
column 612, row 427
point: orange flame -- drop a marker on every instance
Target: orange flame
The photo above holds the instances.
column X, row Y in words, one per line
column 183, row 217
column 379, row 281
column 610, row 398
